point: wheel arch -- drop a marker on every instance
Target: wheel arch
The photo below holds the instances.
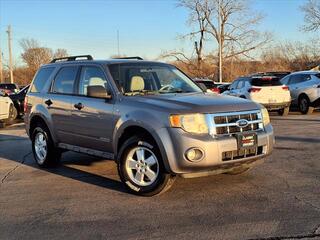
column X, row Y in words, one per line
column 137, row 130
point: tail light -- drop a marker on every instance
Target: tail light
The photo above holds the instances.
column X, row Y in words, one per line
column 254, row 89
column 285, row 88
column 215, row 90
column 25, row 104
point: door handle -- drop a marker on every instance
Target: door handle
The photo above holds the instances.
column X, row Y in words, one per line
column 78, row 106
column 48, row 102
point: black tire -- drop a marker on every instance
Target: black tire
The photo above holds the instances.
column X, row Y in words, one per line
column 12, row 114
column 53, row 154
column 2, row 124
column 304, row 105
column 238, row 171
column 284, row 111
column 163, row 180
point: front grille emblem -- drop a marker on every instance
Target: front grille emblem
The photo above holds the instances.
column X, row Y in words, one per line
column 242, row 123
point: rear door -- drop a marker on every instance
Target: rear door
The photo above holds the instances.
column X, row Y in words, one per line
column 58, row 102
column 93, row 122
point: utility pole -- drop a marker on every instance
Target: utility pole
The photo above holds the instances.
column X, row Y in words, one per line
column 10, row 53
column 220, row 42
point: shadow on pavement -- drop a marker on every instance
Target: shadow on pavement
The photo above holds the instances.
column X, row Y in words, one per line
column 62, row 169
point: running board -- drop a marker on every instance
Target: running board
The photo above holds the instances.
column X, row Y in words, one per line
column 88, row 151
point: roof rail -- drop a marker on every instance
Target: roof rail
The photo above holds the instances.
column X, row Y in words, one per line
column 71, row 58
column 137, row 58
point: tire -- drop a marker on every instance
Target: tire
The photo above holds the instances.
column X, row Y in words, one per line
column 238, row 171
column 2, row 124
column 144, row 178
column 304, row 105
column 12, row 114
column 44, row 151
column 284, row 111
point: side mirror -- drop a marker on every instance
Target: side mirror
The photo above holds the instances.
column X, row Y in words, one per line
column 202, row 86
column 98, row 91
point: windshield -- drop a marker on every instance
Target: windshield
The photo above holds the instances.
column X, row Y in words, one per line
column 144, row 79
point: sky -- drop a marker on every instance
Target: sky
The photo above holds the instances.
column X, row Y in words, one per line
column 146, row 27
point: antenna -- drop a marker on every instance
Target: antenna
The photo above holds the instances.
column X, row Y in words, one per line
column 118, row 41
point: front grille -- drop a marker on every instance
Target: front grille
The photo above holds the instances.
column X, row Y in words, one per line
column 242, row 153
column 226, row 123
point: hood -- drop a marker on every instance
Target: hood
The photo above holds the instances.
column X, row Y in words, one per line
column 197, row 102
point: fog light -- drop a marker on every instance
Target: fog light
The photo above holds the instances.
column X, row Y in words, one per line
column 194, row 154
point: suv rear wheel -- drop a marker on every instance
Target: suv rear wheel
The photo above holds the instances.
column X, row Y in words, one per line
column 12, row 114
column 141, row 168
column 44, row 151
column 304, row 105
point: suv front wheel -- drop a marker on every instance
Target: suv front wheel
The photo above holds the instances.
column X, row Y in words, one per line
column 141, row 168
column 44, row 151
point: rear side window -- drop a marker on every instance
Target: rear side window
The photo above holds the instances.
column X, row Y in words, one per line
column 299, row 78
column 41, row 78
column 64, row 80
column 266, row 82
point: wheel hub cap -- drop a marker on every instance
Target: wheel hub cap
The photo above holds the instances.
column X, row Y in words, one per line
column 142, row 166
column 40, row 146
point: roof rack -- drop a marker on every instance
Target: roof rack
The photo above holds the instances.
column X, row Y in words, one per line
column 137, row 58
column 71, row 58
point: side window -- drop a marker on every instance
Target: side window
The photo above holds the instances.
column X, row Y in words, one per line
column 298, row 78
column 41, row 78
column 91, row 76
column 240, row 85
column 234, row 85
column 285, row 80
column 64, row 80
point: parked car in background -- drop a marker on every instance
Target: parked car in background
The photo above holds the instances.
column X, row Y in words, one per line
column 266, row 90
column 212, row 86
column 149, row 117
column 18, row 100
column 7, row 110
column 280, row 75
column 304, row 89
column 9, row 88
column 224, row 87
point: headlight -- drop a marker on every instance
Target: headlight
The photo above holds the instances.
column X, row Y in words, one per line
column 265, row 116
column 192, row 123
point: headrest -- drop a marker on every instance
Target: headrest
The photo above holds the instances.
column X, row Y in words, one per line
column 137, row 83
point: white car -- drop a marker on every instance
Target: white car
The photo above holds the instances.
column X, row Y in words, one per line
column 7, row 110
column 266, row 90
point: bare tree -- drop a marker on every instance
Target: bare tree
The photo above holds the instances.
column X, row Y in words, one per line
column 35, row 55
column 60, row 52
column 311, row 15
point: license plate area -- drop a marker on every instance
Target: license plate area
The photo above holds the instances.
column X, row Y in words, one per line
column 246, row 140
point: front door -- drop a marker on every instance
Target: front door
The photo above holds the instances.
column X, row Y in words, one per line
column 92, row 117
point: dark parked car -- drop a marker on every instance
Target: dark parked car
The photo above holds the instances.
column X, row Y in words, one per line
column 224, row 87
column 9, row 88
column 18, row 100
column 210, row 85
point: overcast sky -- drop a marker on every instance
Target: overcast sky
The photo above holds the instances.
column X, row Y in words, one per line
column 146, row 27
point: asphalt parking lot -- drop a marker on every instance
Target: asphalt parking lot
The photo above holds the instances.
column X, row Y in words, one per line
column 83, row 198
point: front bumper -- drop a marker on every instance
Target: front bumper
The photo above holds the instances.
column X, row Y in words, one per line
column 176, row 142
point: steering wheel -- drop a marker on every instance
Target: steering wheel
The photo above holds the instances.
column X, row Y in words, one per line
column 166, row 88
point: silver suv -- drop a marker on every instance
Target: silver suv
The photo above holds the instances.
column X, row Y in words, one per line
column 149, row 117
column 304, row 89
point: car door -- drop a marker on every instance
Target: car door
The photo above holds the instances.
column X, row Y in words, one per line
column 295, row 84
column 233, row 88
column 58, row 102
column 4, row 107
column 92, row 117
